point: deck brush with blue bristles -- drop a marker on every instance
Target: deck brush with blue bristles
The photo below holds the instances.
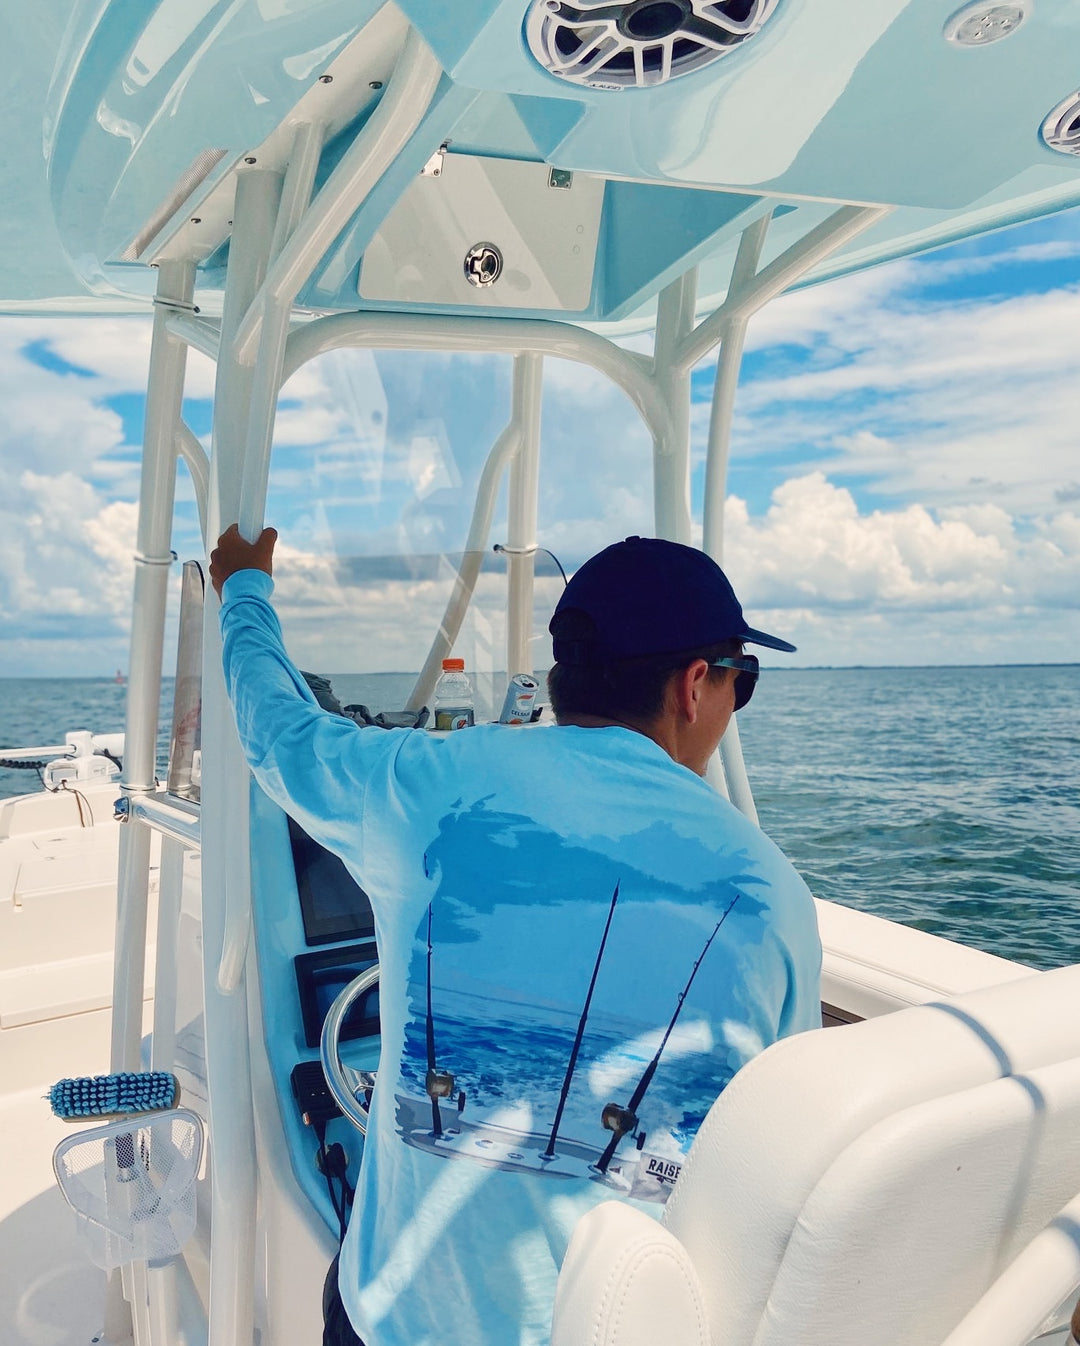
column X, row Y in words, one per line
column 127, row 1094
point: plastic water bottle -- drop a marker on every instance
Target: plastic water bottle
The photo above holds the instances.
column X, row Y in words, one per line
column 453, row 697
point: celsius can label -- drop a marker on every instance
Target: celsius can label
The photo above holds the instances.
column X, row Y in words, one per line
column 454, row 717
column 520, row 699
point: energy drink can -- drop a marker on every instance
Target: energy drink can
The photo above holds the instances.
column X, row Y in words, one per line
column 520, row 699
column 454, row 717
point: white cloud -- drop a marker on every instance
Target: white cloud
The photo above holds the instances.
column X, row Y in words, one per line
column 813, row 547
column 73, row 556
column 66, row 575
column 939, row 269
column 51, row 421
column 976, row 400
column 813, row 564
column 116, row 350
column 908, row 585
column 957, row 421
column 332, row 625
column 921, row 345
column 596, row 468
column 805, row 316
column 66, row 531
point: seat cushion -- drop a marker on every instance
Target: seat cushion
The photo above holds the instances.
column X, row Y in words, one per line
column 794, row 1112
column 919, row 1216
column 627, row 1282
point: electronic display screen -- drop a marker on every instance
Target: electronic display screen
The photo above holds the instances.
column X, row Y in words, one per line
column 333, row 905
column 322, row 976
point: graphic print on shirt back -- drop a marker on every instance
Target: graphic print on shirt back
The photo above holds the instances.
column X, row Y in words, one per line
column 546, row 1035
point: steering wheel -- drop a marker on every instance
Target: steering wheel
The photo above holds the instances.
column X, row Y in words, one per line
column 347, row 1085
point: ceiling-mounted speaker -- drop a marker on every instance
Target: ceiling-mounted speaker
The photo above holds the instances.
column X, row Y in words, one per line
column 638, row 43
column 1061, row 129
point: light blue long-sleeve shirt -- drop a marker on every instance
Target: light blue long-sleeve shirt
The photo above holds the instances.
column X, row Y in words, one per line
column 590, row 924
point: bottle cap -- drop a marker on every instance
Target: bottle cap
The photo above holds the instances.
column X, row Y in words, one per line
column 453, row 665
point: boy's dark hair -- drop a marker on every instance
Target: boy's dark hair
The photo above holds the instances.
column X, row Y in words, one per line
column 630, row 689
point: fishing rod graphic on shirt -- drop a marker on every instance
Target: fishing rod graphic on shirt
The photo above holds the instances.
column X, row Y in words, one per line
column 438, row 1083
column 549, row 1153
column 621, row 1121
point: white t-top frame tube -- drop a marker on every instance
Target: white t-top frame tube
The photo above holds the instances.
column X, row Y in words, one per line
column 153, row 559
column 671, row 440
column 521, row 529
column 748, row 290
column 225, row 833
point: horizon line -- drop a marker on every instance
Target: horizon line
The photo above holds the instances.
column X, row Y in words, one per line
column 412, row 673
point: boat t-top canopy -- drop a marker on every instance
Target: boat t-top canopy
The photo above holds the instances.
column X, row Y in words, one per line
column 545, row 159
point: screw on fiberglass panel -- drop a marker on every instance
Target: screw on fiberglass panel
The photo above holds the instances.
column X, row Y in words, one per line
column 638, row 43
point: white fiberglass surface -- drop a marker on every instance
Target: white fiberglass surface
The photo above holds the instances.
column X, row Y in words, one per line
column 50, row 1293
column 374, row 476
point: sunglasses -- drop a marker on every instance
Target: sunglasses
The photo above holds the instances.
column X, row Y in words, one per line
column 745, row 678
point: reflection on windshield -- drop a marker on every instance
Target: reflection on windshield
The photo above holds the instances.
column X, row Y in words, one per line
column 376, row 463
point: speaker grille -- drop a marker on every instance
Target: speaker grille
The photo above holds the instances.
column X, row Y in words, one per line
column 1061, row 129
column 638, row 43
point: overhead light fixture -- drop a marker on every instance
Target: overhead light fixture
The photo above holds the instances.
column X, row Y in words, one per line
column 980, row 24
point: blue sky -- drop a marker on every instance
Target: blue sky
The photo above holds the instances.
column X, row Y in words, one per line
column 904, row 488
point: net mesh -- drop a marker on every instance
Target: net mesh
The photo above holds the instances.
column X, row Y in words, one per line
column 131, row 1185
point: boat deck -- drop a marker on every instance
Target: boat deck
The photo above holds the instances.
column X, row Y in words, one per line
column 58, row 1296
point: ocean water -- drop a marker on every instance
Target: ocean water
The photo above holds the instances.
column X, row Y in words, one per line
column 946, row 798
column 486, row 1056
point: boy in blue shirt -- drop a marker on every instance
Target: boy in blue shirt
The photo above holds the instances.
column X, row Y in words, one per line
column 574, row 929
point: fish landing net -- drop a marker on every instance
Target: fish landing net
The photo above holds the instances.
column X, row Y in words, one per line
column 131, row 1185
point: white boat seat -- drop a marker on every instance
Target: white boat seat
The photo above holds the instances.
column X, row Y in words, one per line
column 860, row 1184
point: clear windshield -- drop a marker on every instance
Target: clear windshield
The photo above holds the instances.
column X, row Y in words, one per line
column 377, row 460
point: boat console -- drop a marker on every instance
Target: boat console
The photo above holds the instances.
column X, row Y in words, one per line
column 314, row 932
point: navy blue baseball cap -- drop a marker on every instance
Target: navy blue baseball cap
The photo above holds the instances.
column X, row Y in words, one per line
column 647, row 596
